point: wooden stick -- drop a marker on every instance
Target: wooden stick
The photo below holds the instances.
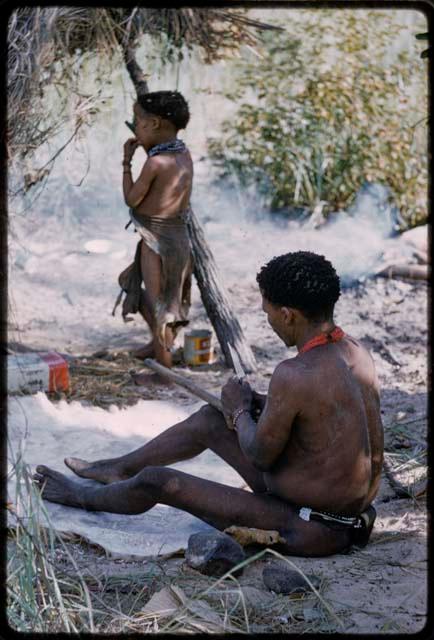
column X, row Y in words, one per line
column 184, row 382
column 411, row 271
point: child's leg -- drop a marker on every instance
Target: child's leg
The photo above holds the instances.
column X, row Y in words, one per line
column 151, row 272
column 162, row 355
column 145, row 309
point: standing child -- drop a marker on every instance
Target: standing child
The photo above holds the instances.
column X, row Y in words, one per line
column 159, row 202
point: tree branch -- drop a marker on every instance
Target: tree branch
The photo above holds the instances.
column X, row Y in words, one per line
column 137, row 76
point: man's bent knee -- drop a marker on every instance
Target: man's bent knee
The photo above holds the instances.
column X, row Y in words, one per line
column 158, row 481
column 210, row 413
column 211, row 420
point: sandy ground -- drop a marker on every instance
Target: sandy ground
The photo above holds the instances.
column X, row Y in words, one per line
column 382, row 589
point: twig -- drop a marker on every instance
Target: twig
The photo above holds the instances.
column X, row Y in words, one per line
column 415, row 491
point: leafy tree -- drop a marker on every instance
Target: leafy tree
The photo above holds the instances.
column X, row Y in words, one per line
column 323, row 110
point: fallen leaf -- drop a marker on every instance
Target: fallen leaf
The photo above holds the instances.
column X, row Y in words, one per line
column 248, row 535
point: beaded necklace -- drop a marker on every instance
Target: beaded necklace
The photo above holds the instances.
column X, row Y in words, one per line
column 172, row 146
column 324, row 338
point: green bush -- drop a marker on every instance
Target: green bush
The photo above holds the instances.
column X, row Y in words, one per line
column 322, row 111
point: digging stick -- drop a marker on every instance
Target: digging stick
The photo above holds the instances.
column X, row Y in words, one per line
column 184, row 382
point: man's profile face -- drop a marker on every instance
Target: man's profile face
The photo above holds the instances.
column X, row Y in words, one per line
column 275, row 318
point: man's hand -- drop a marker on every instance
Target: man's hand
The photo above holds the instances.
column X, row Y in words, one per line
column 129, row 148
column 258, row 403
column 236, row 394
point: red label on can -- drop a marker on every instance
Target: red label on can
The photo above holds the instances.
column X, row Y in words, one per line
column 59, row 373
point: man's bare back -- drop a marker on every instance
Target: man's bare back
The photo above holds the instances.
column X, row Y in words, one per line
column 336, row 430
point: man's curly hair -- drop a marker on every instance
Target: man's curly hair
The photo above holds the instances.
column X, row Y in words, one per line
column 302, row 280
column 170, row 105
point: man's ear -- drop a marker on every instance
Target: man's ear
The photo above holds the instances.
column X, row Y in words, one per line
column 288, row 315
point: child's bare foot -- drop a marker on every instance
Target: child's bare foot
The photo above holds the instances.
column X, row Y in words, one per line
column 55, row 487
column 147, row 351
column 105, row 471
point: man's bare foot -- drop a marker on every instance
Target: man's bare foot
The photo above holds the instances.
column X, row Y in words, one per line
column 55, row 487
column 104, row 471
column 145, row 379
column 147, row 351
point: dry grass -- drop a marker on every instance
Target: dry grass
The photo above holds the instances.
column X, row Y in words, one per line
column 39, row 598
column 196, row 603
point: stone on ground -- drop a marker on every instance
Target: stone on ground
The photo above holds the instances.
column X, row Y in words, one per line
column 280, row 578
column 213, row 553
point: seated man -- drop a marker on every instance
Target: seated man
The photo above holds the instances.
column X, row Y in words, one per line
column 312, row 460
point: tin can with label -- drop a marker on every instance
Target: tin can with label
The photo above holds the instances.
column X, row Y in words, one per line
column 33, row 372
column 198, row 347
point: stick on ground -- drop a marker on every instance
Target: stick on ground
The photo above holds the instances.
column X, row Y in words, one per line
column 184, row 382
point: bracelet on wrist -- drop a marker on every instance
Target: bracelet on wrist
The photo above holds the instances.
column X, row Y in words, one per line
column 237, row 414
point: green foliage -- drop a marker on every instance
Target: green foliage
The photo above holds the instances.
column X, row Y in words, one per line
column 323, row 110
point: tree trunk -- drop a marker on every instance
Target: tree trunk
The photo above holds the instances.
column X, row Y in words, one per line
column 136, row 74
column 215, row 299
column 138, row 78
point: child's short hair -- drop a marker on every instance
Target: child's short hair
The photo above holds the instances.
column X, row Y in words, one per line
column 170, row 105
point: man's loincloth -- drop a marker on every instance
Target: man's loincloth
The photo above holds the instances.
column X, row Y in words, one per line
column 167, row 237
column 360, row 526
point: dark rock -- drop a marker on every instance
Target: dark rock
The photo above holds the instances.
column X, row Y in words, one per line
column 213, row 553
column 280, row 578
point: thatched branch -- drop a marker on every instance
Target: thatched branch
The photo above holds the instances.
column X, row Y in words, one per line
column 42, row 42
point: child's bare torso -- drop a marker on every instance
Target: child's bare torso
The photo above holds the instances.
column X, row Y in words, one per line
column 170, row 190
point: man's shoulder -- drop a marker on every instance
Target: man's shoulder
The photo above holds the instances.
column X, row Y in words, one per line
column 358, row 348
column 290, row 370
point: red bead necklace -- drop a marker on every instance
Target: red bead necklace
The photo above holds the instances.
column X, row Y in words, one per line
column 324, row 338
